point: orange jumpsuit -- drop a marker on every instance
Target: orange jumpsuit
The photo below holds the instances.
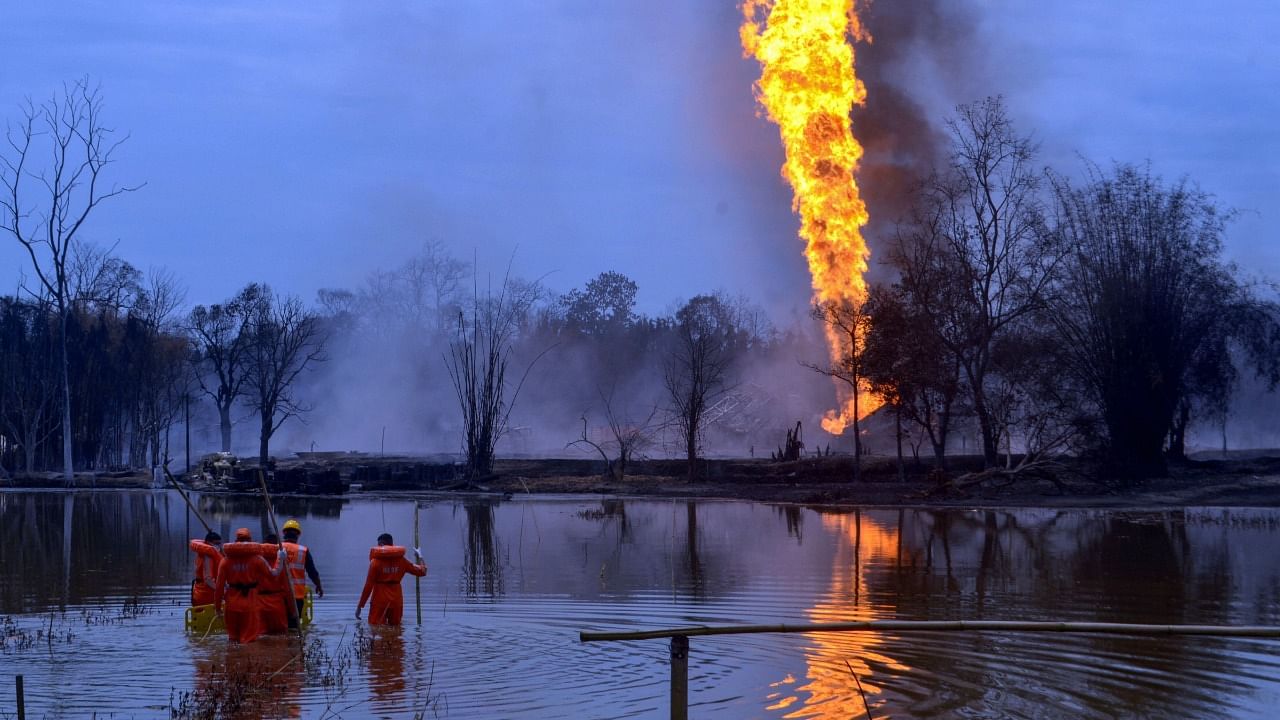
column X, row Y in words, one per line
column 208, row 557
column 386, row 568
column 271, row 595
column 238, row 579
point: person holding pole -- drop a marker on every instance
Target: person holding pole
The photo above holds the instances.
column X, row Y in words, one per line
column 387, row 567
column 302, row 565
column 275, row 592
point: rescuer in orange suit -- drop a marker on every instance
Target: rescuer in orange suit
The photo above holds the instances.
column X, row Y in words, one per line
column 239, row 576
column 271, row 593
column 301, row 566
column 387, row 567
column 208, row 557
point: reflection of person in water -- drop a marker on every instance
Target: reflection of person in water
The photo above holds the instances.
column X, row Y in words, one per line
column 386, row 669
column 263, row 679
column 282, row 673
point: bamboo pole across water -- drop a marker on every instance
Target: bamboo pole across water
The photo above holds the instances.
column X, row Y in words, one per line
column 1261, row 631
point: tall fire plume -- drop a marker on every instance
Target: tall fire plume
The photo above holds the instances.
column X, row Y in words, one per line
column 808, row 86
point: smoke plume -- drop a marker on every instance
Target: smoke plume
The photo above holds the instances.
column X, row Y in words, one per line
column 918, row 65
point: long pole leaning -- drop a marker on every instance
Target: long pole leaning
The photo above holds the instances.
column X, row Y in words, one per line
column 417, row 581
column 290, row 605
column 183, row 493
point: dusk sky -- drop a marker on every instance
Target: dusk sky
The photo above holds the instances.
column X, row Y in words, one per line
column 307, row 144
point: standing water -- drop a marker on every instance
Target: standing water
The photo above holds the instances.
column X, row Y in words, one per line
column 93, row 588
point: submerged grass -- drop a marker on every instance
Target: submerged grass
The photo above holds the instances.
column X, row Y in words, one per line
column 59, row 628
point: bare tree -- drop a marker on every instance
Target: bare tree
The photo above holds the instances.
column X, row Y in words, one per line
column 221, row 335
column 53, row 178
column 284, row 339
column 477, row 363
column 101, row 280
column 627, row 437
column 850, row 320
column 432, row 282
column 697, row 367
column 906, row 364
column 975, row 254
column 165, row 368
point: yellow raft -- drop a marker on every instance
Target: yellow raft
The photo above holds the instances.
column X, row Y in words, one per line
column 203, row 620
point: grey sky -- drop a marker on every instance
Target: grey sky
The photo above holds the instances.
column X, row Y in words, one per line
column 306, row 144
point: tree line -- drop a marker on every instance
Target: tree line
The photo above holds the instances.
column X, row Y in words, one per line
column 1092, row 317
column 1095, row 317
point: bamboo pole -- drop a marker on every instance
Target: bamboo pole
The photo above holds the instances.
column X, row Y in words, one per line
column 183, row 493
column 417, row 580
column 291, row 606
column 22, row 701
column 1262, row 631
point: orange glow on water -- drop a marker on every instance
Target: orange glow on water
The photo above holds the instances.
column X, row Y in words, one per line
column 827, row 690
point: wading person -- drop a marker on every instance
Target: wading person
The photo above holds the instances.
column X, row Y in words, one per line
column 301, row 566
column 239, row 576
column 387, row 566
column 208, row 557
column 273, row 593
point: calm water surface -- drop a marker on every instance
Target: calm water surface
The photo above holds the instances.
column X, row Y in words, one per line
column 512, row 582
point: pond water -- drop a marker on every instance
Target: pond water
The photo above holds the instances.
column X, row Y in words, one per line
column 511, row 583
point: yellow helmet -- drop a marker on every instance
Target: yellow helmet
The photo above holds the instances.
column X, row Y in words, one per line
column 292, row 525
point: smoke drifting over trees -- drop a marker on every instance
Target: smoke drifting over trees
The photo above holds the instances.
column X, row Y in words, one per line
column 915, row 49
column 1096, row 318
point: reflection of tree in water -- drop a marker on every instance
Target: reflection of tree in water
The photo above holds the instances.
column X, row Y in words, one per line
column 217, row 505
column 54, row 540
column 794, row 515
column 1061, row 565
column 481, row 567
column 616, row 510
column 693, row 562
column 1141, row 569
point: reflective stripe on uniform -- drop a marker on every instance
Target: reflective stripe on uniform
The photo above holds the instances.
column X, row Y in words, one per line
column 296, row 555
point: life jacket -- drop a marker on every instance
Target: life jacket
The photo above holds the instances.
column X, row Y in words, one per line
column 206, row 553
column 239, row 575
column 387, row 558
column 242, row 550
column 386, row 552
column 297, row 556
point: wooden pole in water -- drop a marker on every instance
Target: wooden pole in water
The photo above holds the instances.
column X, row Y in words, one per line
column 183, row 493
column 22, row 703
column 679, row 677
column 417, row 581
column 290, row 605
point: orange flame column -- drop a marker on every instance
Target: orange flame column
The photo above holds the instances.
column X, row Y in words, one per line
column 808, row 87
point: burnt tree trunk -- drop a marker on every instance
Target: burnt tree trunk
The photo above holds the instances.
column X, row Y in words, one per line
column 224, row 425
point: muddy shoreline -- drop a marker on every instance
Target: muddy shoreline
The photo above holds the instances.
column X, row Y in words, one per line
column 1249, row 481
column 828, row 481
